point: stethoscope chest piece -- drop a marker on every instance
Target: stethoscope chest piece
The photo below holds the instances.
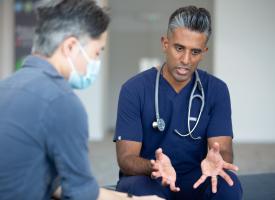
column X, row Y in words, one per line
column 160, row 124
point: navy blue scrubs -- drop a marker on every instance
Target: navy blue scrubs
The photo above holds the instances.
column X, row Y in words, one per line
column 136, row 112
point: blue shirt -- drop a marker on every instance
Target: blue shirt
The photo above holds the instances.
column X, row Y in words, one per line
column 43, row 134
column 136, row 112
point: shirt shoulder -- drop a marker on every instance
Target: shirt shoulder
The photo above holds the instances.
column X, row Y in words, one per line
column 131, row 102
column 216, row 92
column 211, row 83
column 141, row 80
column 36, row 83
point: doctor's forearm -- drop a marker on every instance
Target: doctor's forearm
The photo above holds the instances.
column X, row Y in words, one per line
column 135, row 165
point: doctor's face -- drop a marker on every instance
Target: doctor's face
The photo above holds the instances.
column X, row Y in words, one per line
column 184, row 50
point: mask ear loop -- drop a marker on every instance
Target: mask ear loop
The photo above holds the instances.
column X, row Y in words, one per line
column 84, row 53
column 89, row 60
column 71, row 65
column 73, row 68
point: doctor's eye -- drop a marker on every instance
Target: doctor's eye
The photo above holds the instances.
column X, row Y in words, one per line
column 196, row 51
column 179, row 48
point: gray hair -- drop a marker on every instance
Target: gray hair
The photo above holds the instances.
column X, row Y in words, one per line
column 60, row 19
column 193, row 18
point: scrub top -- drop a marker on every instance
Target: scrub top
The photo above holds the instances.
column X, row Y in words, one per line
column 136, row 113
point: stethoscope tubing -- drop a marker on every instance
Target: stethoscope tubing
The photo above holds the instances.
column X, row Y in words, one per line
column 160, row 124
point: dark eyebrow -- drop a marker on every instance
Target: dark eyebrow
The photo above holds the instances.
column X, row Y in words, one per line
column 179, row 45
column 182, row 46
column 198, row 50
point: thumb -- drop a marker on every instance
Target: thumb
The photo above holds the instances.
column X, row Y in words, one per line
column 216, row 147
column 158, row 153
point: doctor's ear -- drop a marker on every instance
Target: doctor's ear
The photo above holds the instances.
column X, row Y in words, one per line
column 69, row 47
column 204, row 51
column 164, row 43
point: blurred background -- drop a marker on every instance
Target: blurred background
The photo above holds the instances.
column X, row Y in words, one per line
column 241, row 52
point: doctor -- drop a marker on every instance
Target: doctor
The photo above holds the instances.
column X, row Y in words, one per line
column 174, row 131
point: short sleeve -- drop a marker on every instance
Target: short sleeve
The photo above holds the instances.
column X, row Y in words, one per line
column 128, row 123
column 220, row 123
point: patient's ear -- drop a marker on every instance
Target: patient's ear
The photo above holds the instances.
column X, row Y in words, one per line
column 69, row 47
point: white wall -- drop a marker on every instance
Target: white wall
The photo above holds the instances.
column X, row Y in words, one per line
column 6, row 38
column 244, row 53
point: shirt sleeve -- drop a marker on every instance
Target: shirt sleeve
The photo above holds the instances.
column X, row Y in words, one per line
column 128, row 123
column 67, row 144
column 220, row 123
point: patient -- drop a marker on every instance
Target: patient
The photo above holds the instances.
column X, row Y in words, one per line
column 43, row 124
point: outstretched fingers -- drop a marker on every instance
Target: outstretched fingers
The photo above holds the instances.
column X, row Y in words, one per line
column 154, row 165
column 155, row 170
column 173, row 187
column 200, row 181
column 230, row 166
column 165, row 181
column 155, row 175
column 214, row 182
column 171, row 182
column 226, row 177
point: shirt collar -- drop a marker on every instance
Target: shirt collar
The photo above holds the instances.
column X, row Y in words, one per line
column 44, row 65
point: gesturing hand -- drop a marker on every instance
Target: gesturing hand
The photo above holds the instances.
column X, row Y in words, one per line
column 214, row 165
column 162, row 167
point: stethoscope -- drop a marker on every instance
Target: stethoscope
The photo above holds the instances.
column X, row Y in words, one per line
column 160, row 123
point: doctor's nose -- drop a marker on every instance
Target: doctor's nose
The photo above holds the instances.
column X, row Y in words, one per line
column 186, row 58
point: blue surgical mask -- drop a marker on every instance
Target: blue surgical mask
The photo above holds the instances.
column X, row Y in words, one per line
column 78, row 81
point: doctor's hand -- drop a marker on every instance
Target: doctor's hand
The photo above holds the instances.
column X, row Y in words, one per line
column 214, row 165
column 162, row 167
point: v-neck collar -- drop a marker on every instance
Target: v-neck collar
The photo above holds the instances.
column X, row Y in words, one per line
column 185, row 89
